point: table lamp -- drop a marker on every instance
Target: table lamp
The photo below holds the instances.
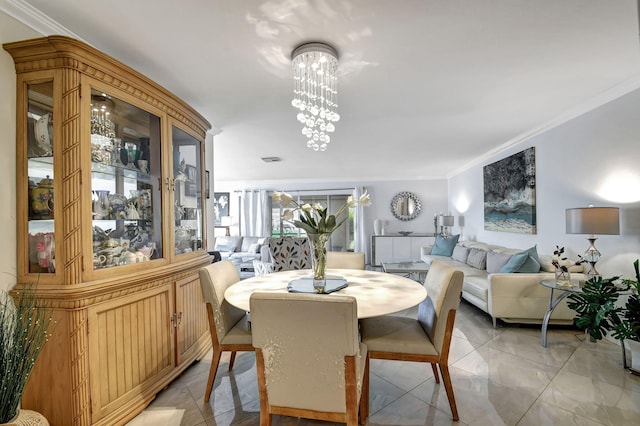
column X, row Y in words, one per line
column 593, row 220
column 445, row 222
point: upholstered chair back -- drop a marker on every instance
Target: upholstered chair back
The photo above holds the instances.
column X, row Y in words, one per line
column 304, row 339
column 444, row 289
column 290, row 253
column 214, row 281
column 345, row 260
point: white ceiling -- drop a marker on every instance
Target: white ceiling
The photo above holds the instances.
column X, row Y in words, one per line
column 426, row 86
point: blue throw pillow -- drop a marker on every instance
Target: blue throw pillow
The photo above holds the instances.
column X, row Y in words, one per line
column 515, row 263
column 532, row 264
column 444, row 246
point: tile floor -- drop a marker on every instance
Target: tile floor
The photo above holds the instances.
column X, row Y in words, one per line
column 500, row 376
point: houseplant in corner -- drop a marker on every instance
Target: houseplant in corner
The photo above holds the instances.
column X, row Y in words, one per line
column 318, row 224
column 23, row 332
column 629, row 328
column 595, row 307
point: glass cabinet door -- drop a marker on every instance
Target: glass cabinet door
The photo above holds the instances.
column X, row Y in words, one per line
column 126, row 173
column 41, row 224
column 187, row 179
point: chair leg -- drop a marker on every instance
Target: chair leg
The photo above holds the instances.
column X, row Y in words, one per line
column 265, row 418
column 435, row 372
column 212, row 373
column 232, row 360
column 364, row 397
column 446, row 378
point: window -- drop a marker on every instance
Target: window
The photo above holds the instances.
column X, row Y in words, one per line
column 342, row 239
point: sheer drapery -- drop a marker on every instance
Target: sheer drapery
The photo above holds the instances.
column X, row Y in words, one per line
column 255, row 212
column 360, row 239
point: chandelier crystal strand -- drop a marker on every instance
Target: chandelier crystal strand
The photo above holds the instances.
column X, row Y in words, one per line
column 315, row 92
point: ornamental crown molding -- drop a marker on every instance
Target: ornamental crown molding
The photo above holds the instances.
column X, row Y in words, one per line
column 34, row 19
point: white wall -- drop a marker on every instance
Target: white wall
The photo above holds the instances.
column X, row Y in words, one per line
column 592, row 159
column 432, row 193
column 10, row 30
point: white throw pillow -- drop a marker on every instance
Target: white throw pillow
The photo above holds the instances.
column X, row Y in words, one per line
column 495, row 261
column 460, row 254
column 477, row 258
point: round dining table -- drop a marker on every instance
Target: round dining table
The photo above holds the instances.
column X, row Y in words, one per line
column 376, row 293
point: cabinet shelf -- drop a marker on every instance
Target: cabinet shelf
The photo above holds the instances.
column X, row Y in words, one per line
column 111, row 171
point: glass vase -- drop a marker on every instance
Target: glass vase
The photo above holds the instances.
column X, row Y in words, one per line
column 319, row 258
column 563, row 277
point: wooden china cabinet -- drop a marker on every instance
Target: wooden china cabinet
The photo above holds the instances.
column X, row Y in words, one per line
column 110, row 208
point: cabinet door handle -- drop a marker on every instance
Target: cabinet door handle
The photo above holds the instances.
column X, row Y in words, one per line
column 179, row 318
column 173, row 320
column 170, row 183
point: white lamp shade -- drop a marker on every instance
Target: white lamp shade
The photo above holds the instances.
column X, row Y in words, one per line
column 593, row 220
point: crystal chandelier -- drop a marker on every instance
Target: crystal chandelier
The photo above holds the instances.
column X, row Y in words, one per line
column 315, row 92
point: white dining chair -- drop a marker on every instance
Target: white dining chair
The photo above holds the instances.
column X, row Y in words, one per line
column 345, row 260
column 309, row 358
column 228, row 326
column 426, row 339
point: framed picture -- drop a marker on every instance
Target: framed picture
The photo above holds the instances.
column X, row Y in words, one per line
column 206, row 183
column 190, row 171
column 510, row 194
column 220, row 206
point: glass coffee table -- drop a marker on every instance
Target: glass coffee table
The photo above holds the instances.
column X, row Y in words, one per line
column 414, row 269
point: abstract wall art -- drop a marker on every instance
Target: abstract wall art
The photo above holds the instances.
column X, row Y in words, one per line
column 510, row 194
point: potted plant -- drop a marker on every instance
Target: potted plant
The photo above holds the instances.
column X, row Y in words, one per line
column 628, row 330
column 596, row 306
column 562, row 264
column 23, row 333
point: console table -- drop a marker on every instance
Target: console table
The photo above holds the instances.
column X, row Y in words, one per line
column 398, row 248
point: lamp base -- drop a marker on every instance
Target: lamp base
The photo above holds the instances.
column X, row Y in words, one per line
column 592, row 272
column 592, row 255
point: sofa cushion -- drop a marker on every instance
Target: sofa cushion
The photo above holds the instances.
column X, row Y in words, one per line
column 532, row 264
column 247, row 242
column 477, row 258
column 477, row 286
column 515, row 263
column 227, row 243
column 445, row 246
column 460, row 254
column 496, row 261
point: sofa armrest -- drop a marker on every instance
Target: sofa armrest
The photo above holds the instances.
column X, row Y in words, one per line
column 520, row 295
column 265, row 254
column 425, row 250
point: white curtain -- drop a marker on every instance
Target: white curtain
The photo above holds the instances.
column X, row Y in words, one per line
column 360, row 243
column 255, row 213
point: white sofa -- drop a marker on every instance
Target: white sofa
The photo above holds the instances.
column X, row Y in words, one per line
column 242, row 251
column 512, row 297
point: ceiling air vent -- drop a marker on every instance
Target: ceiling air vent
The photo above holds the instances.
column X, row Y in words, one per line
column 271, row 159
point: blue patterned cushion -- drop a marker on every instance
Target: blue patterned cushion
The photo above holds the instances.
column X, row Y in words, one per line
column 290, row 253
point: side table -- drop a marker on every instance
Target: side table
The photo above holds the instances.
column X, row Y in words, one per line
column 566, row 290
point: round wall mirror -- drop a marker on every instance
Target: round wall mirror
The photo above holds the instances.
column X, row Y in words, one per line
column 406, row 206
